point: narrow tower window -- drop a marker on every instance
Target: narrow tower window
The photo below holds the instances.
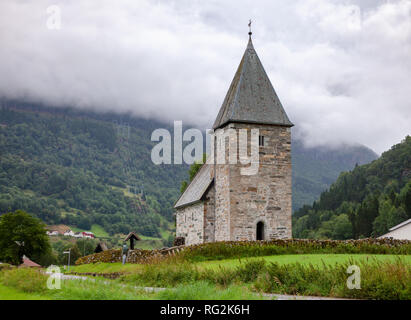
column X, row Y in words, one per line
column 261, row 141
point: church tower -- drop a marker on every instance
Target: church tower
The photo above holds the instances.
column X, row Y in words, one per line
column 252, row 206
column 228, row 199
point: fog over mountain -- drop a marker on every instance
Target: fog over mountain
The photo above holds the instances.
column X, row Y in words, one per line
column 342, row 69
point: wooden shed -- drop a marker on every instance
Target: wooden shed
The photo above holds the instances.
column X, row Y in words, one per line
column 132, row 236
column 100, row 247
column 28, row 263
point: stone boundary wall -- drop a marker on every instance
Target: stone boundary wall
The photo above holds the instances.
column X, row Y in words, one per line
column 134, row 256
column 369, row 245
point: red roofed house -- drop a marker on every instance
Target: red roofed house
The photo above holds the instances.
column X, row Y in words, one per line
column 88, row 234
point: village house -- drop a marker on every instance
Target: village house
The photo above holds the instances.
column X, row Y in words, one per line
column 401, row 231
column 221, row 203
column 69, row 233
column 52, row 233
column 56, row 230
column 87, row 234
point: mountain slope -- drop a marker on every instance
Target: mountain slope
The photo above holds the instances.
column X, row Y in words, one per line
column 77, row 169
column 364, row 202
column 316, row 168
column 82, row 168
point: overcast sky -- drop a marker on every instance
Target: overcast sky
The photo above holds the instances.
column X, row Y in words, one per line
column 342, row 69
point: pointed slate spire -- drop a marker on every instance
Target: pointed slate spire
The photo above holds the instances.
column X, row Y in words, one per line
column 251, row 97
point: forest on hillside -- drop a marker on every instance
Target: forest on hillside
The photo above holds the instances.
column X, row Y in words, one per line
column 80, row 168
column 364, row 202
column 76, row 170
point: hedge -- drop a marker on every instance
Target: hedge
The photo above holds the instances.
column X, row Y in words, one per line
column 239, row 249
column 134, row 256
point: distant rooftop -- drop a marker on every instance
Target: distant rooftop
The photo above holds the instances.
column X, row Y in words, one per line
column 197, row 187
column 401, row 225
column 28, row 263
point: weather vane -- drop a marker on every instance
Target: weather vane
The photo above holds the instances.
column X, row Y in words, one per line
column 249, row 26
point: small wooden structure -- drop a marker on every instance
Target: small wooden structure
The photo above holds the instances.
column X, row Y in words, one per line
column 132, row 236
column 28, row 263
column 100, row 247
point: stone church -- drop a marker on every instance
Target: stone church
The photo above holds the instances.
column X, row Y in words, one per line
column 220, row 203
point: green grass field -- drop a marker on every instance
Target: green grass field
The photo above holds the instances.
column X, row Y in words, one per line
column 315, row 259
column 148, row 238
column 105, row 267
column 101, row 289
column 382, row 277
column 8, row 293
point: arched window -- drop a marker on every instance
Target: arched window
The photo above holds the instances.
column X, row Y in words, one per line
column 260, row 230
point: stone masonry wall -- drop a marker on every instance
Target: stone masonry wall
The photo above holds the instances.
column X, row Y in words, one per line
column 222, row 195
column 209, row 215
column 265, row 196
column 190, row 222
column 242, row 201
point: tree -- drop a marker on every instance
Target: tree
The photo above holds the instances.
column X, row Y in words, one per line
column 388, row 217
column 381, row 223
column 406, row 198
column 342, row 228
column 84, row 223
column 21, row 234
column 86, row 246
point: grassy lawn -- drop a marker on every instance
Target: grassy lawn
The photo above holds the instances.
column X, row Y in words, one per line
column 148, row 238
column 315, row 259
column 149, row 244
column 386, row 277
column 101, row 289
column 105, row 267
column 8, row 293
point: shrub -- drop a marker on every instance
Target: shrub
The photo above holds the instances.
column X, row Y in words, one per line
column 379, row 280
column 179, row 241
column 243, row 249
column 250, row 270
column 388, row 281
column 222, row 276
column 384, row 280
column 25, row 279
column 5, row 266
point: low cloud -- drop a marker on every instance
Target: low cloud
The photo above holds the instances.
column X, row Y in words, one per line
column 341, row 69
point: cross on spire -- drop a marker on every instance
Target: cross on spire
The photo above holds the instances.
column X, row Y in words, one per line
column 249, row 28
